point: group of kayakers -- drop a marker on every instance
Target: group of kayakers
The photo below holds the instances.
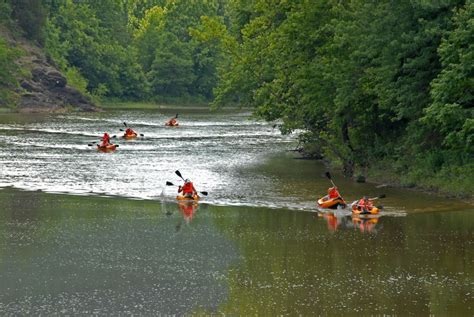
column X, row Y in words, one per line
column 105, row 145
column 334, row 200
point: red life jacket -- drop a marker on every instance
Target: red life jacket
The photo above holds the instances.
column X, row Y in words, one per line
column 105, row 139
column 188, row 188
column 333, row 193
column 365, row 205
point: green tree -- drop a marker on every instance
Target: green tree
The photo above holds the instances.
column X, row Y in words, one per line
column 171, row 73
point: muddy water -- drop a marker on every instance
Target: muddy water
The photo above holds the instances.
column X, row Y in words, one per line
column 115, row 241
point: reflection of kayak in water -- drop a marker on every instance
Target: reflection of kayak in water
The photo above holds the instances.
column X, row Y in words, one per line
column 332, row 220
column 331, row 203
column 188, row 207
column 365, row 223
column 185, row 198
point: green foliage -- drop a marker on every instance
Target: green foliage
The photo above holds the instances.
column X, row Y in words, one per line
column 30, row 16
column 77, row 37
column 364, row 80
column 5, row 12
column 76, row 80
column 171, row 72
column 451, row 115
column 8, row 72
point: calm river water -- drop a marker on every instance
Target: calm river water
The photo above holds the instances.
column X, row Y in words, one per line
column 83, row 232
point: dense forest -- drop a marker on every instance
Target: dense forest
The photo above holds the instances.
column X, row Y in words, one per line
column 381, row 88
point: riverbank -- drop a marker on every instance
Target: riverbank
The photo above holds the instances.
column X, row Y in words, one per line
column 457, row 183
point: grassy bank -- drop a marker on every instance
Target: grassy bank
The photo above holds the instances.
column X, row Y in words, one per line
column 452, row 181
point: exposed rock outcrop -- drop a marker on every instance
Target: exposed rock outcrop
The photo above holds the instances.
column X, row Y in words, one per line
column 46, row 89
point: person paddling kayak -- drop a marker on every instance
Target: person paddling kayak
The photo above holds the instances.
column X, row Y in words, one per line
column 187, row 189
column 172, row 122
column 365, row 204
column 130, row 132
column 333, row 192
column 332, row 200
column 105, row 140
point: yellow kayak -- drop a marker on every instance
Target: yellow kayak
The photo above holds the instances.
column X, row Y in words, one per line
column 331, row 203
column 184, row 198
column 360, row 211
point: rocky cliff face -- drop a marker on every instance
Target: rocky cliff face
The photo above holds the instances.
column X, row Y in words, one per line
column 47, row 91
column 42, row 87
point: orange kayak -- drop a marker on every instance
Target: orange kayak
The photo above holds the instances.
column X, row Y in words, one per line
column 107, row 148
column 183, row 198
column 130, row 136
column 357, row 210
column 168, row 124
column 331, row 203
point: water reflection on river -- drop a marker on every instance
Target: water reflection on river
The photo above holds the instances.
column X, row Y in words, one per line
column 257, row 248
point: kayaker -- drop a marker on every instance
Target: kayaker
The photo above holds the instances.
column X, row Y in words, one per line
column 105, row 140
column 129, row 132
column 188, row 189
column 365, row 204
column 333, row 193
column 172, row 122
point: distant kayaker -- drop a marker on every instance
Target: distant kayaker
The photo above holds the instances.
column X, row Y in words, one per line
column 130, row 132
column 105, row 140
column 187, row 189
column 172, row 122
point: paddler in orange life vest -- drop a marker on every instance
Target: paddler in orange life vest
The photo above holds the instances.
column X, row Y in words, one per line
column 129, row 132
column 105, row 140
column 188, row 189
column 172, row 122
column 365, row 204
column 333, row 193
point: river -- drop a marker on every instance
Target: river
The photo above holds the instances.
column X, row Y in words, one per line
column 85, row 232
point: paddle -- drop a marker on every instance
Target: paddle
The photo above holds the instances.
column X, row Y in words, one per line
column 378, row 197
column 179, row 174
column 171, row 184
column 328, row 175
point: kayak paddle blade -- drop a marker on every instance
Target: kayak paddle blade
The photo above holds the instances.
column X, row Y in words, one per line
column 179, row 174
